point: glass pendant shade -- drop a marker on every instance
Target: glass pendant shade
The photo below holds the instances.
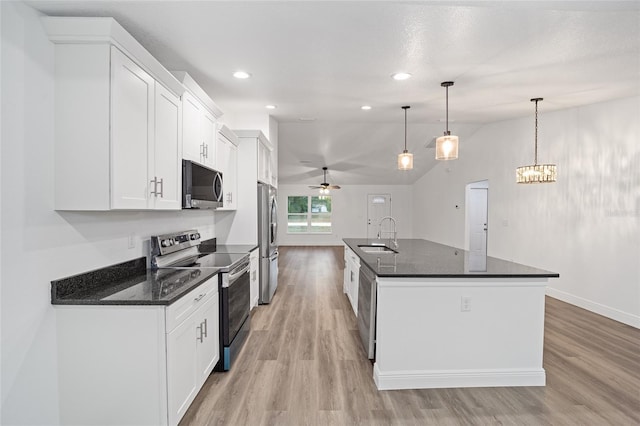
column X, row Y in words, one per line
column 447, row 147
column 405, row 160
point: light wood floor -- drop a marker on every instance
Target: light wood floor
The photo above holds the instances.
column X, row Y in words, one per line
column 303, row 365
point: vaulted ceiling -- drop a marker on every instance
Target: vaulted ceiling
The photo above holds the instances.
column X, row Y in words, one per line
column 320, row 61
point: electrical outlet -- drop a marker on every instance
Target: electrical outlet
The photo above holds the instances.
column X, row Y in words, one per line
column 465, row 304
column 131, row 241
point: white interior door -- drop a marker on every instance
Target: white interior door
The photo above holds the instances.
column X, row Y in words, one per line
column 378, row 206
column 478, row 207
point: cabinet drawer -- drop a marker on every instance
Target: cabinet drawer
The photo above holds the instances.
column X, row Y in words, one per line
column 186, row 305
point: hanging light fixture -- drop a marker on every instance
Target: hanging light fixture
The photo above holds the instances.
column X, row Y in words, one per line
column 405, row 159
column 447, row 145
column 536, row 173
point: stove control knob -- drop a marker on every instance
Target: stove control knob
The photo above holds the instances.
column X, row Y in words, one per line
column 195, row 236
column 165, row 243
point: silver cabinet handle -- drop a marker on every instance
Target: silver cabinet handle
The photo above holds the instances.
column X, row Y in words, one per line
column 202, row 149
column 201, row 337
column 206, row 151
column 204, row 324
column 154, row 181
column 199, row 298
column 161, row 188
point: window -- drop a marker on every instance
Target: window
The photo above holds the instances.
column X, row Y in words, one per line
column 309, row 214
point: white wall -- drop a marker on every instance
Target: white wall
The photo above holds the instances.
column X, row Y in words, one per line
column 349, row 216
column 45, row 244
column 586, row 226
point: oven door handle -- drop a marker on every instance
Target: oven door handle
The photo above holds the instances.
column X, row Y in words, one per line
column 236, row 275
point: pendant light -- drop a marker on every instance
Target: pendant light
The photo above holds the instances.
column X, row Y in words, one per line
column 447, row 145
column 405, row 159
column 536, row 173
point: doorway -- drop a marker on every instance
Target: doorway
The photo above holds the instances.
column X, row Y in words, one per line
column 477, row 223
column 378, row 206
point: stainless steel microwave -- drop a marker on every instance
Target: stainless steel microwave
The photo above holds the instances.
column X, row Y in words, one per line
column 201, row 186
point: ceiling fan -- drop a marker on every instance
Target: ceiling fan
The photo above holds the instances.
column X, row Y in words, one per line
column 324, row 187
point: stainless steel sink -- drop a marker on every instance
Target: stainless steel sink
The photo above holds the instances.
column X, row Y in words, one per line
column 376, row 249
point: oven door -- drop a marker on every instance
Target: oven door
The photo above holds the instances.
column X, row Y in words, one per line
column 236, row 297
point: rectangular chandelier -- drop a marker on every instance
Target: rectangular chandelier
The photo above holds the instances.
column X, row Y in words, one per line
column 536, row 173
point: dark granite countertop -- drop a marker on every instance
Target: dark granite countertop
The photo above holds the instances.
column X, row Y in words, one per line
column 128, row 283
column 427, row 259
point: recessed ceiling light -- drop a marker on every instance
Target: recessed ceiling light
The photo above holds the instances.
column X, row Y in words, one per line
column 271, row 106
column 241, row 75
column 365, row 107
column 401, row 76
column 307, row 119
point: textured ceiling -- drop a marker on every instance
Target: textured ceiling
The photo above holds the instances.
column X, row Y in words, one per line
column 326, row 59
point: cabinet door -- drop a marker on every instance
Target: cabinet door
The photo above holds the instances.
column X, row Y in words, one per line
column 192, row 143
column 231, row 187
column 264, row 164
column 208, row 337
column 132, row 93
column 347, row 277
column 167, row 172
column 355, row 281
column 222, row 157
column 254, row 277
column 226, row 162
column 208, row 128
column 182, row 377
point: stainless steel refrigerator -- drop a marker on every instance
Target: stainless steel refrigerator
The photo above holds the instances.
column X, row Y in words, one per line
column 267, row 241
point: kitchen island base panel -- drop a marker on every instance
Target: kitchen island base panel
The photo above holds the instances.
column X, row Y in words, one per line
column 480, row 332
column 394, row 380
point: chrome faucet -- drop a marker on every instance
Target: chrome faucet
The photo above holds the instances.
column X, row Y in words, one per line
column 395, row 234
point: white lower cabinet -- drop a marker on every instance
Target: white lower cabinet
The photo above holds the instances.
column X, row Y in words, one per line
column 193, row 350
column 254, row 271
column 136, row 364
column 351, row 277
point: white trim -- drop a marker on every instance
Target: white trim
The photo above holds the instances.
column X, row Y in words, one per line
column 598, row 308
column 69, row 30
column 457, row 378
column 518, row 282
column 194, row 88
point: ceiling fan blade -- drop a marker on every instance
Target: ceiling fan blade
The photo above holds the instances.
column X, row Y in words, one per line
column 334, row 187
column 315, row 187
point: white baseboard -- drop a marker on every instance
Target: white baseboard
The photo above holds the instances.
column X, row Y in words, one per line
column 457, row 378
column 606, row 311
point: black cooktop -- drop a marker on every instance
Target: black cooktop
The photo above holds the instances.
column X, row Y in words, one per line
column 222, row 261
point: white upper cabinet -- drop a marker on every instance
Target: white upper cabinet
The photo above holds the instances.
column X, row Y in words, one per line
column 264, row 161
column 198, row 132
column 166, row 150
column 132, row 104
column 118, row 120
column 227, row 163
column 199, row 121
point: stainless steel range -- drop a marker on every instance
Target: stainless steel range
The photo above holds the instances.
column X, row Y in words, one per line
column 179, row 251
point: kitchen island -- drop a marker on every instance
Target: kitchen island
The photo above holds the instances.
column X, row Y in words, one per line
column 445, row 318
